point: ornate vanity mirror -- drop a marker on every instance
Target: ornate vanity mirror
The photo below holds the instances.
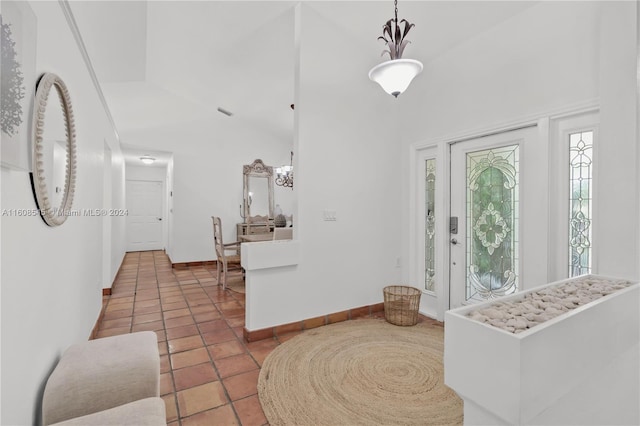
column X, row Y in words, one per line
column 258, row 190
column 54, row 150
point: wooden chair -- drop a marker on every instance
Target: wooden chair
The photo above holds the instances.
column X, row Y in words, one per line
column 224, row 260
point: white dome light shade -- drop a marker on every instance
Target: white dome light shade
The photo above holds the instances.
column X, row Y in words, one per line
column 395, row 76
column 147, row 159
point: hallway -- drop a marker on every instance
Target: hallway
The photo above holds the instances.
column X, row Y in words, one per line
column 208, row 372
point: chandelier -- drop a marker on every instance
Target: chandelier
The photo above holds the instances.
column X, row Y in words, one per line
column 284, row 175
column 395, row 75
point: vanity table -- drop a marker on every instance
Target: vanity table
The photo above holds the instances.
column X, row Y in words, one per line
column 277, row 235
column 241, row 230
column 255, row 238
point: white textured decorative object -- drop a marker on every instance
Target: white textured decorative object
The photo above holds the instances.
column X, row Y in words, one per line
column 539, row 306
column 578, row 368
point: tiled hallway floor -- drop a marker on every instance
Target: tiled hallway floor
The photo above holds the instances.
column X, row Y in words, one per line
column 208, row 372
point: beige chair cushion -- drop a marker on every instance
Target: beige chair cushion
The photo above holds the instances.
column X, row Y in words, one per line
column 145, row 412
column 101, row 374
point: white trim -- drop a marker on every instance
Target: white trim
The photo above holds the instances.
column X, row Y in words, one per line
column 413, row 209
column 576, row 112
column 524, row 121
column 589, row 105
column 434, row 309
column 163, row 211
column 66, row 9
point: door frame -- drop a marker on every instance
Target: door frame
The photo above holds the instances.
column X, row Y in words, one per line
column 443, row 190
column 442, row 149
column 107, row 220
column 561, row 126
column 431, row 300
column 432, row 304
column 443, row 196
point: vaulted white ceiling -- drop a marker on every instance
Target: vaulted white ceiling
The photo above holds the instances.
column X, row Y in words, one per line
column 178, row 61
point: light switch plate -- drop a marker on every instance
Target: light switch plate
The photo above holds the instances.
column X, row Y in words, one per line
column 329, row 215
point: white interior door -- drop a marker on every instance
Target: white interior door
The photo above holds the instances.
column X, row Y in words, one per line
column 499, row 195
column 144, row 221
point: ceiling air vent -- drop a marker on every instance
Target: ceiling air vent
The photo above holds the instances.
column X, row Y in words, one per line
column 225, row 112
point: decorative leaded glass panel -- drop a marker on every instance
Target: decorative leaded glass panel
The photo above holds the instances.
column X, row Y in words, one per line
column 580, row 200
column 492, row 206
column 430, row 225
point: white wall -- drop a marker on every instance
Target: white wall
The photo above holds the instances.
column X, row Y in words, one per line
column 169, row 249
column 553, row 56
column 118, row 201
column 117, row 55
column 207, row 177
column 52, row 277
column 145, row 173
column 209, row 149
column 617, row 212
column 539, row 60
column 113, row 225
column 347, row 160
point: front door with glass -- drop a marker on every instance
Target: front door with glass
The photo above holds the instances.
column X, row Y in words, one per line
column 488, row 192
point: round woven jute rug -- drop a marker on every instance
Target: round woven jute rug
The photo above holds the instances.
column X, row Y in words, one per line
column 360, row 372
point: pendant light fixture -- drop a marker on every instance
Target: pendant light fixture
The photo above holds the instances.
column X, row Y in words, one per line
column 395, row 75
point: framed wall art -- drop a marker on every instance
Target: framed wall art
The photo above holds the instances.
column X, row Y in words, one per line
column 17, row 83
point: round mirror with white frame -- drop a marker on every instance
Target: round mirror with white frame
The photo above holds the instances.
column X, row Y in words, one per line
column 53, row 177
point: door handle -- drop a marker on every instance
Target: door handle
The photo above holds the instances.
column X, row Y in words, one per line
column 159, row 219
column 454, row 241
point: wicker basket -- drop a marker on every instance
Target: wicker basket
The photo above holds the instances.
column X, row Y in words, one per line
column 401, row 304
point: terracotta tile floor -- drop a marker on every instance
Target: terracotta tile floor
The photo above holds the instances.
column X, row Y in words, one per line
column 208, row 373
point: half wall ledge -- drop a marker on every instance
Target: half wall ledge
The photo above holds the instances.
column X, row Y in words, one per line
column 269, row 254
